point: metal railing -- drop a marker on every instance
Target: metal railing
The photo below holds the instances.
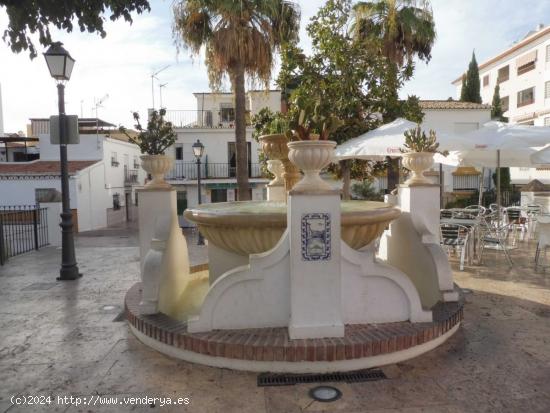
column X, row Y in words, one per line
column 188, row 170
column 201, row 119
column 465, row 182
column 23, row 228
column 130, row 176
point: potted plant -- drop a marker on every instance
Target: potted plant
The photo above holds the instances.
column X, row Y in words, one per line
column 269, row 130
column 309, row 147
column 153, row 141
column 418, row 154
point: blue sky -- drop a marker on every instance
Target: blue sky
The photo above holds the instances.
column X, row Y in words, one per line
column 121, row 64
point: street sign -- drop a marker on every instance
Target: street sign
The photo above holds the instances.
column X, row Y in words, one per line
column 71, row 130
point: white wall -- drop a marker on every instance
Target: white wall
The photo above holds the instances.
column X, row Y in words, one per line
column 89, row 149
column 22, row 191
column 455, row 121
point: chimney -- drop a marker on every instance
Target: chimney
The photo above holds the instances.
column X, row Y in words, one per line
column 540, row 26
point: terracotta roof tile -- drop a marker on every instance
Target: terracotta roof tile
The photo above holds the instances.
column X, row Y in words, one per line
column 452, row 104
column 41, row 167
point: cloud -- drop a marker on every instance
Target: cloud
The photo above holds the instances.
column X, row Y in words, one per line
column 121, row 64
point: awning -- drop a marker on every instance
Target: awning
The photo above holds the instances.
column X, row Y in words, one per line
column 526, row 58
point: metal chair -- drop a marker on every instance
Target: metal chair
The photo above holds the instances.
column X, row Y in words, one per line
column 532, row 212
column 445, row 213
column 493, row 234
column 455, row 236
column 516, row 221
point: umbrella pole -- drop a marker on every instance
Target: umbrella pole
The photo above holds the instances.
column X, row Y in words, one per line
column 441, row 183
column 498, row 186
column 480, row 198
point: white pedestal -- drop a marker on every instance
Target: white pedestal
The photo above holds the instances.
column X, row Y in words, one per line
column 412, row 245
column 315, row 272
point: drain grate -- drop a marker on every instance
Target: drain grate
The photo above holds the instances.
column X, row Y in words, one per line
column 269, row 379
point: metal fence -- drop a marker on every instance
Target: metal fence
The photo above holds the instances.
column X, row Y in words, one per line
column 188, row 170
column 23, row 228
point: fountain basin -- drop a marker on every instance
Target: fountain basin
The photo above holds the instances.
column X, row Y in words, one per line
column 252, row 227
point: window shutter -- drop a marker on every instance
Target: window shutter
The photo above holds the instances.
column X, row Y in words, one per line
column 526, row 58
column 547, row 90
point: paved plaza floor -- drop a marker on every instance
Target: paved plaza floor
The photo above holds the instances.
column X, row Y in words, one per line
column 66, row 338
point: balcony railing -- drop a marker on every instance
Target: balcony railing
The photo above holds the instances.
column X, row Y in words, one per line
column 130, row 176
column 188, row 170
column 465, row 182
column 201, row 119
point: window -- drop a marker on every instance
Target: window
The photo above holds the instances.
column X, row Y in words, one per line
column 181, row 202
column 47, row 195
column 547, row 90
column 227, row 112
column 547, row 121
column 527, row 62
column 505, row 103
column 116, row 201
column 485, row 80
column 526, row 97
column 136, row 162
column 503, row 74
column 114, row 159
column 179, row 152
column 218, row 195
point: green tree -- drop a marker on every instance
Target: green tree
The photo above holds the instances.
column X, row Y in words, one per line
column 240, row 39
column 405, row 30
column 463, row 88
column 470, row 88
column 496, row 107
column 26, row 17
column 348, row 76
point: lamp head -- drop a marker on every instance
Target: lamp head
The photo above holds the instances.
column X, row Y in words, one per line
column 60, row 63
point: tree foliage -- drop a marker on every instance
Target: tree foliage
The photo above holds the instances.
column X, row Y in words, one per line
column 240, row 39
column 470, row 84
column 496, row 106
column 156, row 137
column 28, row 17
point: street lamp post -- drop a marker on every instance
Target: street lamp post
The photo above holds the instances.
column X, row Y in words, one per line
column 198, row 149
column 60, row 63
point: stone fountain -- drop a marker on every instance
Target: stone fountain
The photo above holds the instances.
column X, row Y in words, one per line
column 296, row 286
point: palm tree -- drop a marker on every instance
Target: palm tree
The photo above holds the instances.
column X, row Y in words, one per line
column 403, row 29
column 240, row 38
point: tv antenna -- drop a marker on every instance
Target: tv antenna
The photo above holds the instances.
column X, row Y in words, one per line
column 153, row 77
column 160, row 92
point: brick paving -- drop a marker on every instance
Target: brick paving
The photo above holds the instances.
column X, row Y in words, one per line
column 59, row 338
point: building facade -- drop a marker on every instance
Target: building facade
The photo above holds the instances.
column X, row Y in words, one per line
column 213, row 124
column 522, row 72
column 104, row 171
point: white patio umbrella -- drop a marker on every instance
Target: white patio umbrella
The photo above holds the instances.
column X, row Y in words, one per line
column 541, row 157
column 388, row 140
column 499, row 144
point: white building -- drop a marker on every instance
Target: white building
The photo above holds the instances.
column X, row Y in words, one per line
column 453, row 117
column 522, row 72
column 213, row 123
column 104, row 173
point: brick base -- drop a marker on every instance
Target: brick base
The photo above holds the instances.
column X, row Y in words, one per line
column 273, row 344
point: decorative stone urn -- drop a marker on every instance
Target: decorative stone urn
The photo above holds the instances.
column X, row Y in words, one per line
column 157, row 166
column 311, row 156
column 417, row 163
column 275, row 147
column 276, row 168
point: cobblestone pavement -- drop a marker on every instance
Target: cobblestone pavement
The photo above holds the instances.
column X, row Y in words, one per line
column 61, row 339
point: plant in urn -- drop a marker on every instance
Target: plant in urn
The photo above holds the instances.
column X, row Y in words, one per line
column 153, row 141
